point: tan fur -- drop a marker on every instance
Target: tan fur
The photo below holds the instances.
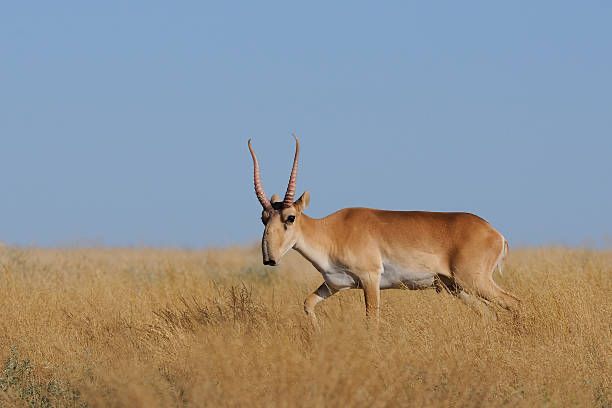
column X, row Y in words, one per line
column 459, row 246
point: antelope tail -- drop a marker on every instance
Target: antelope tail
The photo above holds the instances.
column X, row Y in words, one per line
column 502, row 256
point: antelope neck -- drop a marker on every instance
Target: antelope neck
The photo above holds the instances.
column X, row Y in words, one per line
column 314, row 241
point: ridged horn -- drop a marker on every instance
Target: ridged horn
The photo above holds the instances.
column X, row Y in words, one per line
column 259, row 191
column 290, row 194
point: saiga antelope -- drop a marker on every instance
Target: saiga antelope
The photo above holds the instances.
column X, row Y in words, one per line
column 376, row 249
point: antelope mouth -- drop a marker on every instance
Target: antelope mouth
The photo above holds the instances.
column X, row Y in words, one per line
column 269, row 263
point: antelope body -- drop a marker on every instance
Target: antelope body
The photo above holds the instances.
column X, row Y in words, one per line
column 377, row 249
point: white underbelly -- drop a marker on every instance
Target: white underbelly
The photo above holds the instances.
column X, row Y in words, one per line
column 392, row 277
column 340, row 279
column 398, row 276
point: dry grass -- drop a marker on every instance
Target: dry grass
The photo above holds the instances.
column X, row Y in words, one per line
column 119, row 327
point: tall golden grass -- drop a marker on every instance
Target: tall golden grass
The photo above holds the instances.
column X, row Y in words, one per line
column 159, row 328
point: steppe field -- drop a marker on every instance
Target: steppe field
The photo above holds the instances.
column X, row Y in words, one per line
column 166, row 328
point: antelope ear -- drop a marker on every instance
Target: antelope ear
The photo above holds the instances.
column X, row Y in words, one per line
column 302, row 203
column 275, row 198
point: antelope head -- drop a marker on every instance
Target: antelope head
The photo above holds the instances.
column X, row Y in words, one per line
column 281, row 218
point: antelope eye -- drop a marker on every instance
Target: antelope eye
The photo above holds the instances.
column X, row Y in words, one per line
column 290, row 219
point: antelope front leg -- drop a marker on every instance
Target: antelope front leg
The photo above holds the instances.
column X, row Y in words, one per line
column 322, row 293
column 371, row 290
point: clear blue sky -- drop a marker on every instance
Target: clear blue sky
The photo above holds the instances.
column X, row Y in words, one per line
column 126, row 124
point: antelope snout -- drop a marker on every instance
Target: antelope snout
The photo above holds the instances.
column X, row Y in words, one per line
column 269, row 262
